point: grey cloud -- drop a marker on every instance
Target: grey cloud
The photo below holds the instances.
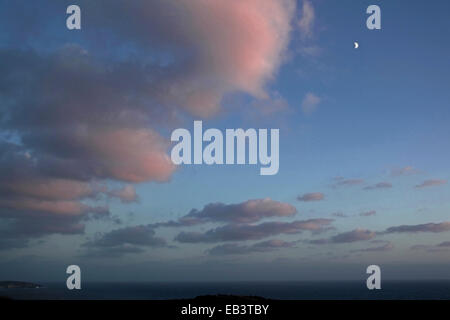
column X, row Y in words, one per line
column 73, row 116
column 85, row 114
column 403, row 171
column 346, row 237
column 343, row 182
column 116, row 100
column 368, row 213
column 438, row 248
column 352, row 236
column 314, row 196
column 431, row 183
column 111, row 252
column 13, row 243
column 249, row 211
column 387, row 246
column 426, row 227
column 136, row 235
column 444, row 244
column 265, row 246
column 339, row 215
column 381, row 185
column 253, row 232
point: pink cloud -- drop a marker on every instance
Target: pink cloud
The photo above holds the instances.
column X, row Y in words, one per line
column 232, row 46
column 133, row 155
column 126, row 194
column 84, row 118
column 50, row 188
column 431, row 183
column 71, row 208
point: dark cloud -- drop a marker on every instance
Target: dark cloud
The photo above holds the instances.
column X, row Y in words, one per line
column 438, row 248
column 419, row 247
column 249, row 211
column 122, row 241
column 111, row 252
column 229, row 249
column 444, row 244
column 339, row 215
column 253, row 232
column 246, row 212
column 14, row 243
column 343, row 182
column 237, row 215
column 352, row 236
column 318, row 241
column 76, row 116
column 346, row 237
column 381, row 185
column 265, row 246
column 136, row 235
column 314, row 196
column 387, row 246
column 66, row 129
column 86, row 126
column 36, row 204
column 426, row 227
column 368, row 213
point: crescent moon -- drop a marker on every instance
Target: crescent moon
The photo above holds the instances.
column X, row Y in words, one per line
column 356, row 45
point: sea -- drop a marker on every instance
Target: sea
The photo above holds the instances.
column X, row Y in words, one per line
column 304, row 290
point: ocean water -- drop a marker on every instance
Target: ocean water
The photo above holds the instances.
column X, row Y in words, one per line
column 345, row 290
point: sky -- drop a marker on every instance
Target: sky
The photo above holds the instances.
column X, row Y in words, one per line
column 86, row 116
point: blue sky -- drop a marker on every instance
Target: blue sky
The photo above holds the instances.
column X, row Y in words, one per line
column 379, row 114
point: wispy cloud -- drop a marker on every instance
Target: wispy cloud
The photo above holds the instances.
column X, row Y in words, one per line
column 387, row 246
column 438, row 248
column 431, row 183
column 339, row 215
column 368, row 213
column 265, row 246
column 426, row 227
column 310, row 103
column 314, row 196
column 380, row 185
column 347, row 237
column 408, row 170
column 307, row 18
column 352, row 236
column 344, row 182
